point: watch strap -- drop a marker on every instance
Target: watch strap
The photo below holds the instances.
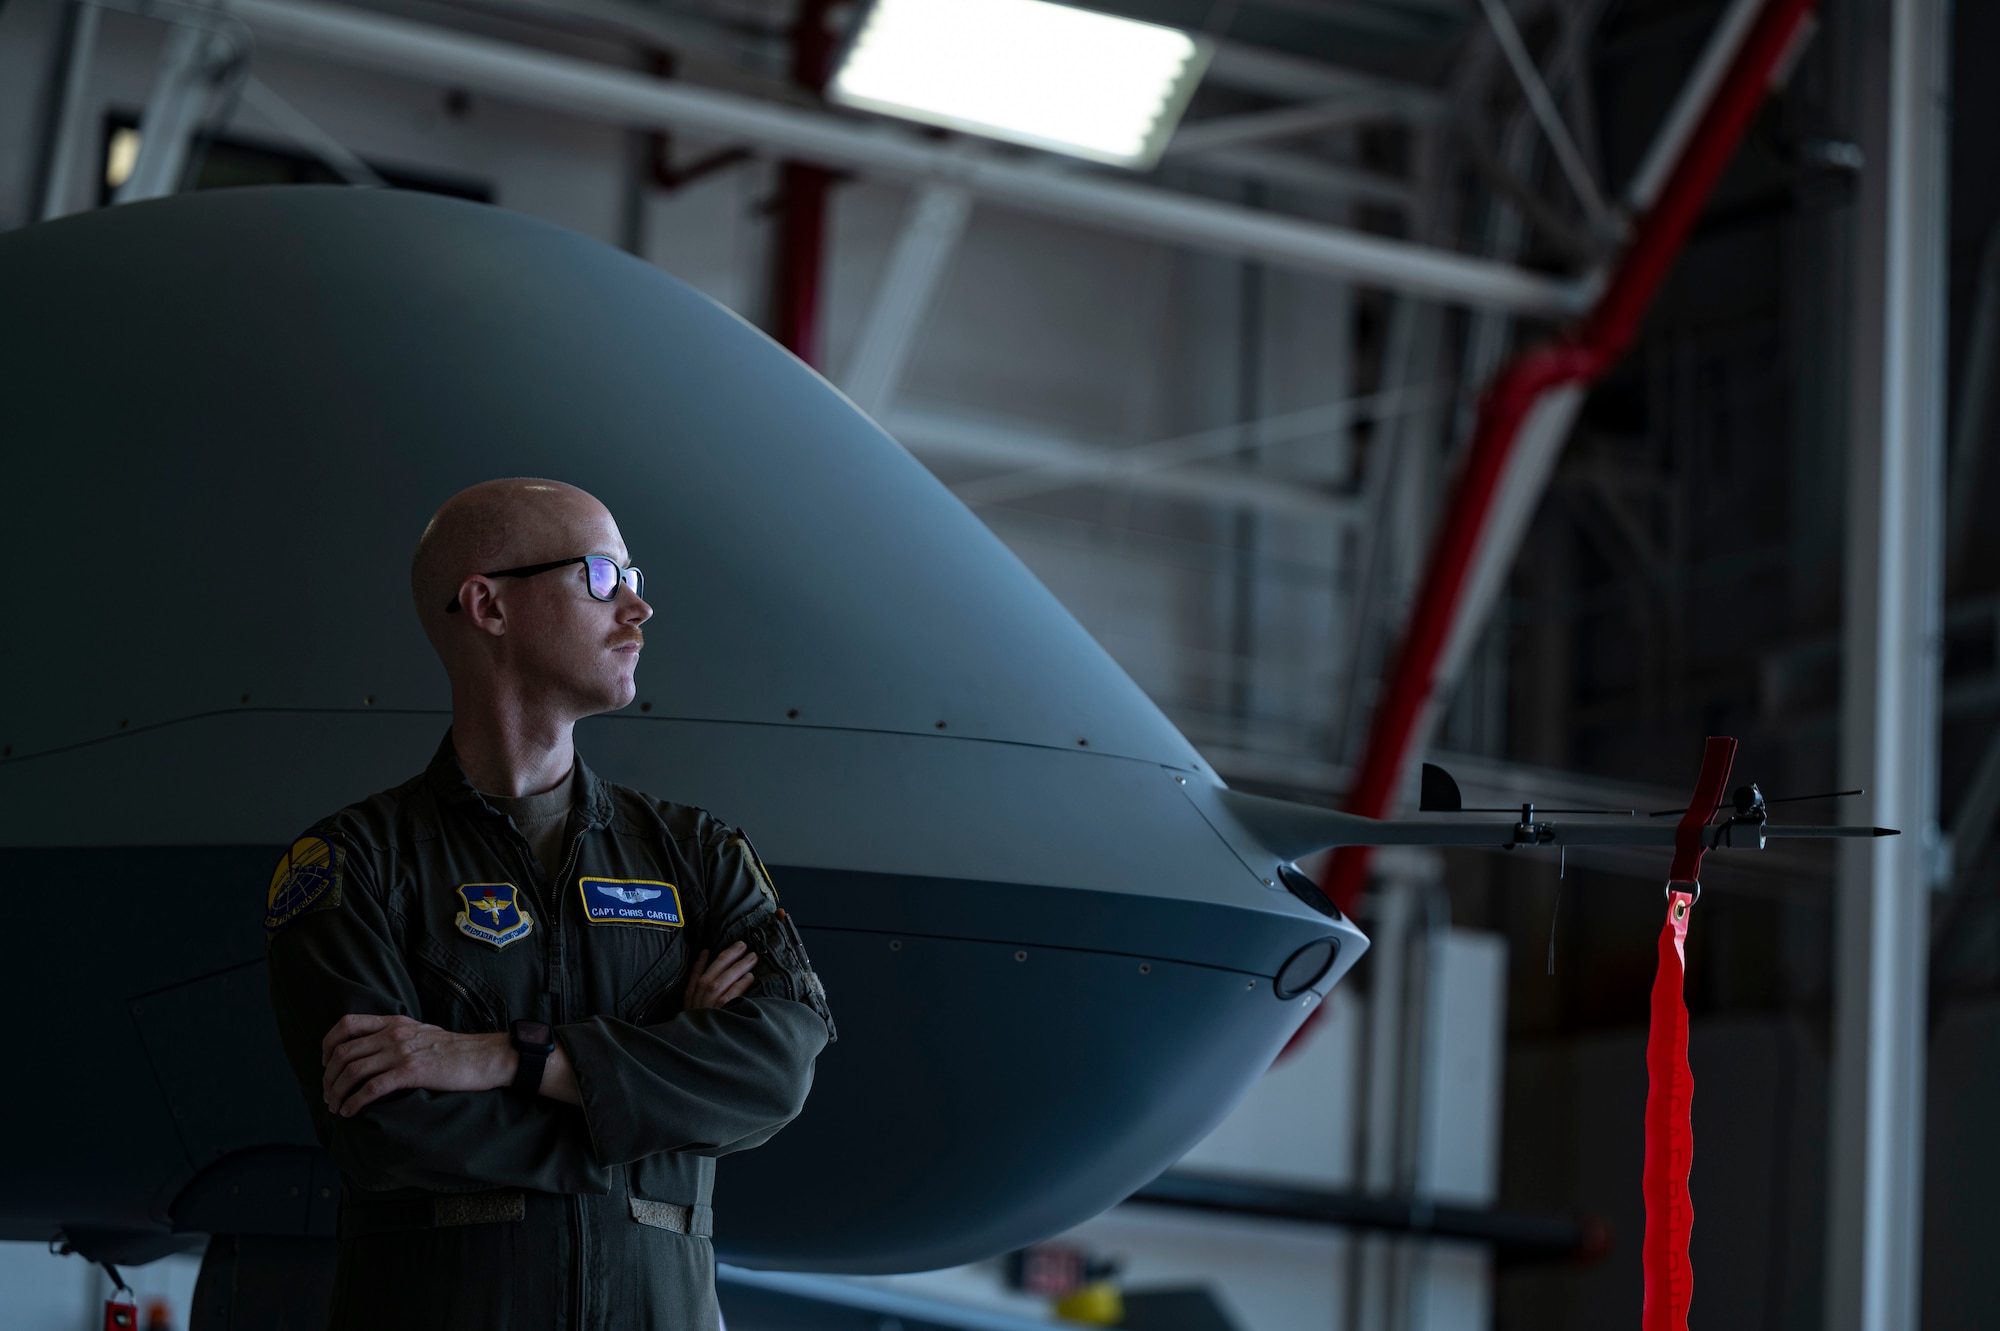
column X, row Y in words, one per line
column 533, row 1041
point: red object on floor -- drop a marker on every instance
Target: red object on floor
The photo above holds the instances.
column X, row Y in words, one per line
column 1669, row 1080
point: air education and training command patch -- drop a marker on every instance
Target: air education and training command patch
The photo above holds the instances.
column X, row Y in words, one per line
column 307, row 877
column 493, row 913
column 631, row 901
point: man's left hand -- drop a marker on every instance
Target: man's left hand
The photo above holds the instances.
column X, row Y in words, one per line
column 365, row 1058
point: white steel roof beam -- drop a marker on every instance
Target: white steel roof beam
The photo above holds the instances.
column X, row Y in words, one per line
column 1260, row 69
column 1544, row 106
column 580, row 87
column 1222, row 132
column 1326, row 422
column 931, row 230
column 1061, row 463
column 1310, row 174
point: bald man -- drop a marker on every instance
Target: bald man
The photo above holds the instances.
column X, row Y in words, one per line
column 529, row 1008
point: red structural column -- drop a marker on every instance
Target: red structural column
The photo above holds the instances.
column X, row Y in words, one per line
column 802, row 195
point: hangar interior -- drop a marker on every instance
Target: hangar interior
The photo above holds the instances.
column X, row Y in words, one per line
column 1222, row 420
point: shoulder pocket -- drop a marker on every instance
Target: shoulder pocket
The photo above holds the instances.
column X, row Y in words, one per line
column 775, row 940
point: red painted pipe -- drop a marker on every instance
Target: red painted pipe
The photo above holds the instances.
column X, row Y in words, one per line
column 1579, row 356
column 802, row 194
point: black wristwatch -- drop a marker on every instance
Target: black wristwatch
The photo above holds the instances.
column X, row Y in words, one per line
column 534, row 1041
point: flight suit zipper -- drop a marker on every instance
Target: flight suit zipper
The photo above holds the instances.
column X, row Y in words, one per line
column 550, row 900
column 558, row 978
column 558, row 989
column 556, row 986
column 580, row 1263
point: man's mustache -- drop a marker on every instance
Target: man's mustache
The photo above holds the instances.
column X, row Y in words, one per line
column 632, row 639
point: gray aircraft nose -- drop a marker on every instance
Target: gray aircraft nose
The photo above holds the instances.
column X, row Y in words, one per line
column 1052, row 960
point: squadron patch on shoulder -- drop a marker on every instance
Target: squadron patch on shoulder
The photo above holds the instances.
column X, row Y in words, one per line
column 307, row 877
column 493, row 913
column 631, row 901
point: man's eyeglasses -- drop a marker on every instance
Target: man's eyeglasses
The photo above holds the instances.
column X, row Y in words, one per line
column 603, row 581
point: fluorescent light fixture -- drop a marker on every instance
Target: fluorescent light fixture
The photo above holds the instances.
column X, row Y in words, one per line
column 121, row 157
column 1050, row 76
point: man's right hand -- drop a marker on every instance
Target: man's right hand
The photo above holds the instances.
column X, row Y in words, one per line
column 364, row 1058
column 723, row 981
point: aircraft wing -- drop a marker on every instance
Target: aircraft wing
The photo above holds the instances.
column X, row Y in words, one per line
column 1291, row 830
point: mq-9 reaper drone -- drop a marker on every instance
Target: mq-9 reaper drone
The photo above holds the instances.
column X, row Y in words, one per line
column 1059, row 948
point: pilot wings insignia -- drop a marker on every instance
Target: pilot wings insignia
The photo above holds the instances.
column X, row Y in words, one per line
column 631, row 901
column 632, row 896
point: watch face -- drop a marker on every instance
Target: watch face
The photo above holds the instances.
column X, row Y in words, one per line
column 533, row 1034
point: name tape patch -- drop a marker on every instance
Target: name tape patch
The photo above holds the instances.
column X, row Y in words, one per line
column 631, row 901
column 493, row 913
column 308, row 874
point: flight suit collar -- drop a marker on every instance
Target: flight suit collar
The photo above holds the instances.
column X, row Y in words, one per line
column 448, row 780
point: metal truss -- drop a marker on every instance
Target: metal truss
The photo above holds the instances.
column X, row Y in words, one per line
column 579, row 87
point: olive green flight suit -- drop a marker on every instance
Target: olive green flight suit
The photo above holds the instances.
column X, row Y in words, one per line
column 496, row 1209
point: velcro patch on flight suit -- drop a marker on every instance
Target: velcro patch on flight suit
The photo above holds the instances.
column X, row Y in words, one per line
column 749, row 852
column 308, row 877
column 493, row 913
column 631, row 901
